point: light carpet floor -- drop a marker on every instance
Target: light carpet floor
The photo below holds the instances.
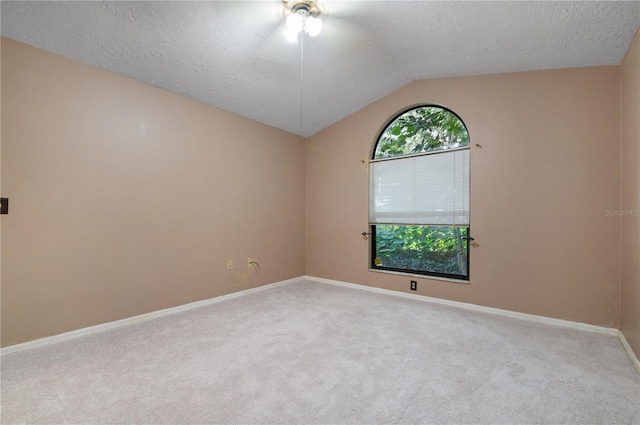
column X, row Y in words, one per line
column 310, row 352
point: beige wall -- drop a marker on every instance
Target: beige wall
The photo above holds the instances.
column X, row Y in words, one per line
column 547, row 170
column 127, row 199
column 630, row 193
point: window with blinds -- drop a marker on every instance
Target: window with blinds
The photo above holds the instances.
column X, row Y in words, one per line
column 419, row 195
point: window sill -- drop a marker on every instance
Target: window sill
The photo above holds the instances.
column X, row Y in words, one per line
column 423, row 276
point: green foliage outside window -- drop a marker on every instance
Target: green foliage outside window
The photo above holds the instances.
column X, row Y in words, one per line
column 422, row 130
column 436, row 249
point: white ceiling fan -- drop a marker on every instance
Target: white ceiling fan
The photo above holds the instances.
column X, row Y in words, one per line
column 331, row 24
column 302, row 16
column 301, row 39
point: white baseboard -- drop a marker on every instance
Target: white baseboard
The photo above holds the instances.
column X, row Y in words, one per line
column 173, row 310
column 142, row 317
column 629, row 350
column 496, row 311
column 473, row 307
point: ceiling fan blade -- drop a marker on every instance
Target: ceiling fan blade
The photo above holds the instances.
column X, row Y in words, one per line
column 271, row 45
column 274, row 47
column 344, row 9
column 338, row 36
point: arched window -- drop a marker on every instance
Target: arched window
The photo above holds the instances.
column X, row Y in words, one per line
column 419, row 195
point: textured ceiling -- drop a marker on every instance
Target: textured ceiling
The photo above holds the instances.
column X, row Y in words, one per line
column 232, row 54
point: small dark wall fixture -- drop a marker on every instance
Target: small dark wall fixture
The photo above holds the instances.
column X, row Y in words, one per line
column 4, row 205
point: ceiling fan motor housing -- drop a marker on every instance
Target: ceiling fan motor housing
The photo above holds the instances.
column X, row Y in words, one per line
column 303, row 7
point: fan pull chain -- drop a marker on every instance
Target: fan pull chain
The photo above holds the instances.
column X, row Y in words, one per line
column 301, row 74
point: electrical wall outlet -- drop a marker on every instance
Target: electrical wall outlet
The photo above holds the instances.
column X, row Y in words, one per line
column 229, row 264
column 414, row 285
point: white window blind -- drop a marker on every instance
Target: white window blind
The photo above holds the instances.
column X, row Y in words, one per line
column 429, row 189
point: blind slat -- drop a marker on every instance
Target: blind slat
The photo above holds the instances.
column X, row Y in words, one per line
column 426, row 190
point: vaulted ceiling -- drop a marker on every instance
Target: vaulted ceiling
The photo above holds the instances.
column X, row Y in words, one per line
column 233, row 55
